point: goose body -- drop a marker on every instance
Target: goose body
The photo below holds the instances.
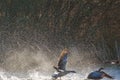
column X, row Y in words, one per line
column 97, row 75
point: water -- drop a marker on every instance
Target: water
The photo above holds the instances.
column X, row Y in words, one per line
column 37, row 75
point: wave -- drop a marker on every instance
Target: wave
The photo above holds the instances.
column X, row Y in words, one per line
column 37, row 75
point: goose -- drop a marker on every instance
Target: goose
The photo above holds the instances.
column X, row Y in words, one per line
column 97, row 75
column 116, row 62
column 61, row 65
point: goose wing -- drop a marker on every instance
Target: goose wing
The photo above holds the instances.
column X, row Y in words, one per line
column 107, row 75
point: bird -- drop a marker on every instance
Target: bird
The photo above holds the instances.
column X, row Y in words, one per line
column 61, row 64
column 116, row 62
column 98, row 75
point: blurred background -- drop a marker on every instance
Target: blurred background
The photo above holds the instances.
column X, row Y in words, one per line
column 34, row 32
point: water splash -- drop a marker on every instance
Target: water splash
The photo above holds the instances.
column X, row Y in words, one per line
column 37, row 75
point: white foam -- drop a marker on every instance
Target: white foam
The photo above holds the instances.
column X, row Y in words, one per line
column 36, row 75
